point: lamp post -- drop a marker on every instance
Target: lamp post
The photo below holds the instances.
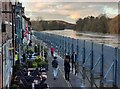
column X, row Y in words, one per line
column 13, row 31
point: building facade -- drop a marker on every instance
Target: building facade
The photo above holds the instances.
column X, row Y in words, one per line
column 6, row 43
column 0, row 45
column 14, row 27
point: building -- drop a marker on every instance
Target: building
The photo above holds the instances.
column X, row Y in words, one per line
column 14, row 27
column 0, row 46
column 6, row 43
column 6, row 62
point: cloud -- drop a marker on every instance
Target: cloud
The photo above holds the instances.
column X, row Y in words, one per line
column 110, row 11
column 69, row 0
column 69, row 11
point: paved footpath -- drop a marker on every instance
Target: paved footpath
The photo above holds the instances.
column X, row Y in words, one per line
column 74, row 82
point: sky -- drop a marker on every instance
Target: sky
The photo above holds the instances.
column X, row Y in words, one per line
column 69, row 10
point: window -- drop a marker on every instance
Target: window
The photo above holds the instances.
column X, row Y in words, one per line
column 5, row 10
column 10, row 18
column 5, row 7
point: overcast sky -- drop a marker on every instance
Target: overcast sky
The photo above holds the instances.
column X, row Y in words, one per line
column 69, row 10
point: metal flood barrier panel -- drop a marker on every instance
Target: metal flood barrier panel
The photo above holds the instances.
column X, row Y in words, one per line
column 98, row 63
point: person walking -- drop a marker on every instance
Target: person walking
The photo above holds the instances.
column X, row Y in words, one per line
column 52, row 51
column 55, row 67
column 74, row 58
column 67, row 67
column 68, row 56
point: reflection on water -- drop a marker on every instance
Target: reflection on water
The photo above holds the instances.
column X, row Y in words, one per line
column 67, row 33
column 106, row 39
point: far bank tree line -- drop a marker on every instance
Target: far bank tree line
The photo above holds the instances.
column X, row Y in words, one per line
column 100, row 24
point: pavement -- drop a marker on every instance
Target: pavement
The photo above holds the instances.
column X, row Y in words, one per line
column 73, row 83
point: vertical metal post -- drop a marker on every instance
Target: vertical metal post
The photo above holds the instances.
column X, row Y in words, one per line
column 77, row 50
column 66, row 44
column 83, row 69
column 13, row 35
column 101, row 67
column 62, row 46
column 72, row 46
column 77, row 62
column 83, row 52
column 115, row 69
column 69, row 47
column 92, row 80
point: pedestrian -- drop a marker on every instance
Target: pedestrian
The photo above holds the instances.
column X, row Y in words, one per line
column 67, row 67
column 55, row 67
column 45, row 55
column 68, row 56
column 24, row 57
column 74, row 58
column 52, row 51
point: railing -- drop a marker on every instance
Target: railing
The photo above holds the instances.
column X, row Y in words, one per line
column 100, row 58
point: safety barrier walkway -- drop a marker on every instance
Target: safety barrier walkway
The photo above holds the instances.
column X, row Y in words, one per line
column 97, row 62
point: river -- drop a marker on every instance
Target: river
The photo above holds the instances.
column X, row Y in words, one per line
column 110, row 40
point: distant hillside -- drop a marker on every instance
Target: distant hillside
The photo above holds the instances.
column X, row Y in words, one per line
column 51, row 25
column 100, row 24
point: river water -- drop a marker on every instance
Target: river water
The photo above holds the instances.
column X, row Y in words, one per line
column 110, row 40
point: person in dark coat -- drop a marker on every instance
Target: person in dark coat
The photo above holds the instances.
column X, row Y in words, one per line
column 67, row 67
column 74, row 58
column 68, row 56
